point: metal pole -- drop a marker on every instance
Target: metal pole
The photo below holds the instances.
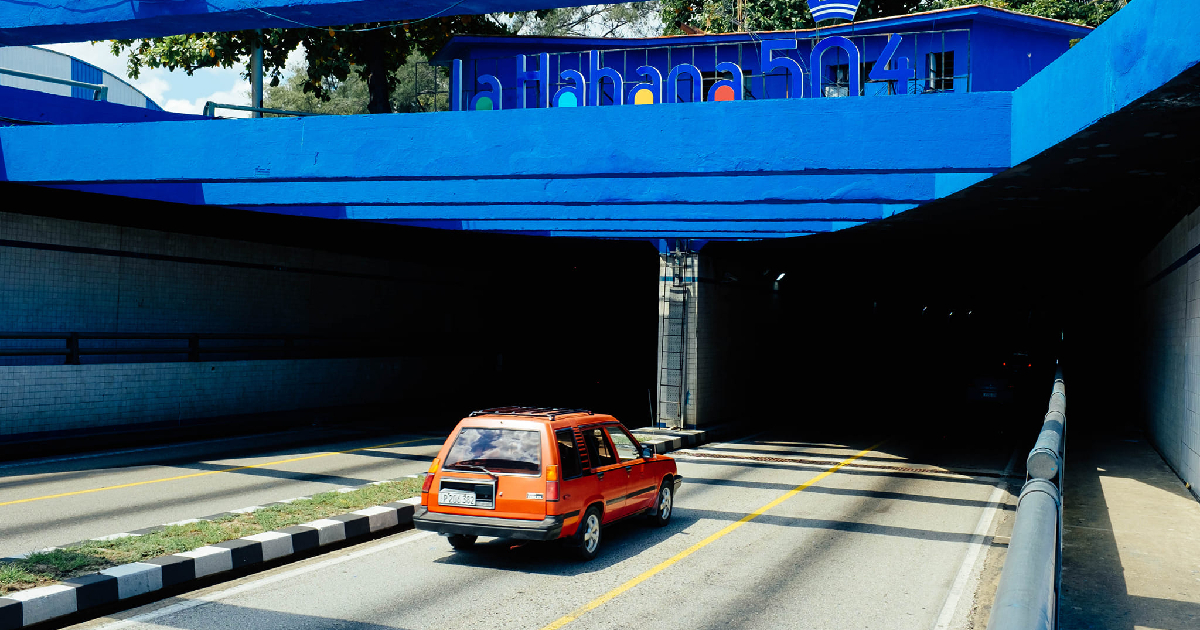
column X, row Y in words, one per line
column 256, row 74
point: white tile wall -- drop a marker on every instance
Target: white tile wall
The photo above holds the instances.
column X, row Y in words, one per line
column 1171, row 389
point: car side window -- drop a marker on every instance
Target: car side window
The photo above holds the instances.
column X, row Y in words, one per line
column 598, row 449
column 626, row 450
column 568, row 454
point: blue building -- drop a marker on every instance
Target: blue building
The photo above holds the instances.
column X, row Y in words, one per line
column 969, row 49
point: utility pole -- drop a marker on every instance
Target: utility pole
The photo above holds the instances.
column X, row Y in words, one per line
column 256, row 74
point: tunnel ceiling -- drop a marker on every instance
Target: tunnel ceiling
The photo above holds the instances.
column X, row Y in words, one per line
column 1091, row 206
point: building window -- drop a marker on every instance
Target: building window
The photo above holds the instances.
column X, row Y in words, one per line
column 941, row 71
column 837, row 78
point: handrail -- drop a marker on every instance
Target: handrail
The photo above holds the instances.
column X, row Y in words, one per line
column 285, row 346
column 1027, row 597
column 101, row 91
column 210, row 110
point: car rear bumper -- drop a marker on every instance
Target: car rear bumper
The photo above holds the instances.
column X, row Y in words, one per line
column 548, row 528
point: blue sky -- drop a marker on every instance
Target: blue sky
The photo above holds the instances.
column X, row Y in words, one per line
column 174, row 91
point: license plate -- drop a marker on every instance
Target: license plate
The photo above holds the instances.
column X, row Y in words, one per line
column 989, row 394
column 450, row 497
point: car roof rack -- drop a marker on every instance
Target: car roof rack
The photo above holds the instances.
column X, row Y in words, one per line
column 537, row 412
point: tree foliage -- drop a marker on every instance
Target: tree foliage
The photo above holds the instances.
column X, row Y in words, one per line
column 373, row 52
column 1087, row 12
column 630, row 19
column 419, row 88
column 719, row 16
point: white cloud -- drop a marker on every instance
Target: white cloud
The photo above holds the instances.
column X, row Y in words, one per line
column 238, row 94
column 175, row 91
column 154, row 87
column 97, row 54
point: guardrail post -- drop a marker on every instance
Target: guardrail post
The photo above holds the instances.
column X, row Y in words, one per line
column 73, row 349
column 194, row 348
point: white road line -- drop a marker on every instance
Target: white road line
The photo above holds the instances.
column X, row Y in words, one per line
column 688, row 455
column 127, row 451
column 257, row 584
column 959, row 588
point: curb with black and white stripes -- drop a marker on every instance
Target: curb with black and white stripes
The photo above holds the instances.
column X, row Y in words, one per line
column 24, row 608
column 36, row 605
column 667, row 440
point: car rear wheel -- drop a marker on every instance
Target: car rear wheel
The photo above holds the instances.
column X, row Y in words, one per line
column 664, row 504
column 588, row 537
column 462, row 541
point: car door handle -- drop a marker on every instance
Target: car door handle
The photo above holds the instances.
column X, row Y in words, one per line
column 600, row 475
column 629, row 469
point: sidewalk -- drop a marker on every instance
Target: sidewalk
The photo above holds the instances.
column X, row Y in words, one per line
column 1131, row 556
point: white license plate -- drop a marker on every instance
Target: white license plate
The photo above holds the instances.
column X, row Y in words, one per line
column 448, row 497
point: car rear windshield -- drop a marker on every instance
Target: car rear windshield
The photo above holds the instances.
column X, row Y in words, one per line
column 496, row 450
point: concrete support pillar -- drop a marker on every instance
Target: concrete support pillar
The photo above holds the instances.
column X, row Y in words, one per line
column 681, row 374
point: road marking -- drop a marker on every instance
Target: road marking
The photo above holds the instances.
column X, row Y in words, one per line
column 259, row 583
column 127, row 451
column 212, row 472
column 603, row 599
column 967, row 569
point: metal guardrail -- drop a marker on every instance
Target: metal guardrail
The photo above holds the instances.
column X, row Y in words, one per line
column 197, row 346
column 101, row 91
column 210, row 110
column 1027, row 597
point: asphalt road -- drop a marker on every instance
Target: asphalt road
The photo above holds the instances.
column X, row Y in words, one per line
column 880, row 543
column 55, row 501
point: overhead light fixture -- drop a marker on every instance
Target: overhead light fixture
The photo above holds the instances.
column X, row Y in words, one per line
column 780, row 276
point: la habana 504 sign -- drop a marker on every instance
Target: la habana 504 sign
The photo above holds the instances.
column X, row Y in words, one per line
column 582, row 91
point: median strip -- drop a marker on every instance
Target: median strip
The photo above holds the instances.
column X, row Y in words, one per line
column 52, row 583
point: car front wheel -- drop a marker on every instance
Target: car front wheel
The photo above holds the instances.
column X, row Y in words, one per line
column 664, row 504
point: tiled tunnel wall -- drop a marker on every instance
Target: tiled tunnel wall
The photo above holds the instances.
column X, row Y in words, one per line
column 59, row 275
column 1171, row 343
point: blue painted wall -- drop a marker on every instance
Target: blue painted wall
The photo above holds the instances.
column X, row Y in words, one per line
column 780, row 166
column 30, row 105
column 1142, row 47
column 87, row 73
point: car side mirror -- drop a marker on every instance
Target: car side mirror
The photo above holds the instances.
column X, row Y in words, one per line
column 647, row 451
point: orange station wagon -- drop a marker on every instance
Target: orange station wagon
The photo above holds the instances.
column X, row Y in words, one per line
column 543, row 474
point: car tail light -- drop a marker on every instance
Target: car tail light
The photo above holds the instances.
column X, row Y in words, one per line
column 433, row 468
column 552, row 483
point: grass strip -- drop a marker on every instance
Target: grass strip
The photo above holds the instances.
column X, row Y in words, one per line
column 48, row 567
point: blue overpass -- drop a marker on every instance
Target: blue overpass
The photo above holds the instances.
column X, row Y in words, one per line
column 789, row 163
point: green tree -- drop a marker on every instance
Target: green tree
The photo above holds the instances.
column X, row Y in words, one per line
column 419, row 88
column 1087, row 12
column 723, row 16
column 779, row 15
column 630, row 19
column 374, row 52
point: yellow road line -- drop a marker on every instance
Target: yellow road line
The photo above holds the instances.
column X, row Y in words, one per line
column 211, row 472
column 603, row 599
